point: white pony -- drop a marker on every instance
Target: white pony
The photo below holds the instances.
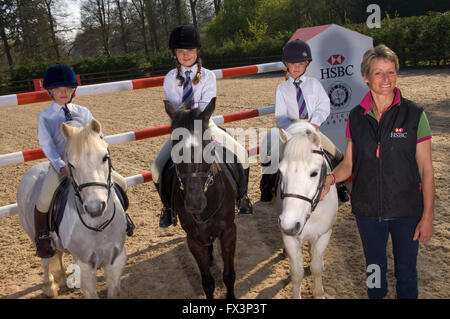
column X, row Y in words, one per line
column 302, row 216
column 94, row 237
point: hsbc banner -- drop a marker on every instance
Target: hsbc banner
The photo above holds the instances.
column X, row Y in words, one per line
column 336, row 61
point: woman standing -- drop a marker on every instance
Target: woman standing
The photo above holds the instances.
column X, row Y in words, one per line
column 389, row 152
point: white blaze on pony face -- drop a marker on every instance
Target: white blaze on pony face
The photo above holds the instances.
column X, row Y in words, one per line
column 88, row 158
column 300, row 170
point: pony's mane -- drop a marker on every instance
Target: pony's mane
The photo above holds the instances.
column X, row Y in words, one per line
column 84, row 139
column 299, row 146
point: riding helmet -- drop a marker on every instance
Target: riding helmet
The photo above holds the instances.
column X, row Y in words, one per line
column 59, row 75
column 296, row 51
column 184, row 37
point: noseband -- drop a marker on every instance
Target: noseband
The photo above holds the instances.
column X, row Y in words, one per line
column 315, row 200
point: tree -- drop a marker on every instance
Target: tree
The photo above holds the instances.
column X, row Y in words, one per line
column 51, row 20
column 193, row 3
column 97, row 15
column 217, row 6
column 178, row 11
column 123, row 28
column 140, row 9
column 152, row 18
column 7, row 9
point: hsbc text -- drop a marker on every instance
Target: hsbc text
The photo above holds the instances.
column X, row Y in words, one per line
column 336, row 71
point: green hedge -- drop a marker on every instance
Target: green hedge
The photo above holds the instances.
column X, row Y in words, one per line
column 422, row 40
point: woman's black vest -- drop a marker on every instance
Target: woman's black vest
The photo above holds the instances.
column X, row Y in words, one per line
column 386, row 182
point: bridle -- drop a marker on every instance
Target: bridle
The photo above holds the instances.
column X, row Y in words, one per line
column 315, row 200
column 209, row 177
column 78, row 188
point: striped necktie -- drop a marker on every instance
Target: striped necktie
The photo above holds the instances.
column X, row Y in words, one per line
column 303, row 112
column 188, row 94
column 67, row 113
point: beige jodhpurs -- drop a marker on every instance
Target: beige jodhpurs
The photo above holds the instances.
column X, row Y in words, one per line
column 217, row 135
column 52, row 181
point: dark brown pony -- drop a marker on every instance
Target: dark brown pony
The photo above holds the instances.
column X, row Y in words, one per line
column 202, row 195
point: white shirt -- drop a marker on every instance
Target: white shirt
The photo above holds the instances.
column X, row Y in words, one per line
column 316, row 99
column 51, row 139
column 204, row 90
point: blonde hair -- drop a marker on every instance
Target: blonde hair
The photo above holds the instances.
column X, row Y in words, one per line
column 381, row 51
column 198, row 75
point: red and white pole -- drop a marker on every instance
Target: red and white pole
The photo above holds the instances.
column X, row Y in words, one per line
column 128, row 85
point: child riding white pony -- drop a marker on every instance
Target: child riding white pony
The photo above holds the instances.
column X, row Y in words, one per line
column 302, row 216
column 93, row 225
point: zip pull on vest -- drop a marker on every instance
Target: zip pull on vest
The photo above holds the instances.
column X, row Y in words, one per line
column 378, row 150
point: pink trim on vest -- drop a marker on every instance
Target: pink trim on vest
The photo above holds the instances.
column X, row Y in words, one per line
column 366, row 103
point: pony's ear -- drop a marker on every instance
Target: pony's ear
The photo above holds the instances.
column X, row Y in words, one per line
column 66, row 130
column 314, row 138
column 209, row 109
column 95, row 126
column 170, row 109
column 285, row 136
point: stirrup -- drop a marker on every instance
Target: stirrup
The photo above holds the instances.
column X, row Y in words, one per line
column 245, row 206
column 130, row 226
column 342, row 191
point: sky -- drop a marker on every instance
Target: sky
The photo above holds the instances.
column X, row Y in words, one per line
column 72, row 8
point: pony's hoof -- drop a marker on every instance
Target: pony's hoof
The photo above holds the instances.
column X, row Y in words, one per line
column 50, row 290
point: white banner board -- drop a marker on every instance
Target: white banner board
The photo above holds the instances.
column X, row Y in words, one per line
column 336, row 61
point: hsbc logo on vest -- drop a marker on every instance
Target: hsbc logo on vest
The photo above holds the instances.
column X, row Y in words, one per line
column 337, row 68
column 399, row 133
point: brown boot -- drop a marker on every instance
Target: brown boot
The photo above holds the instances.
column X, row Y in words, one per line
column 44, row 245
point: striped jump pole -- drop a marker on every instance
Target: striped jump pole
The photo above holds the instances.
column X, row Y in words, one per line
column 128, row 85
column 146, row 177
column 35, row 154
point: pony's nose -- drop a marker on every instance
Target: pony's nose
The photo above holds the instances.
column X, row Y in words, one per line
column 95, row 208
column 291, row 231
column 195, row 206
